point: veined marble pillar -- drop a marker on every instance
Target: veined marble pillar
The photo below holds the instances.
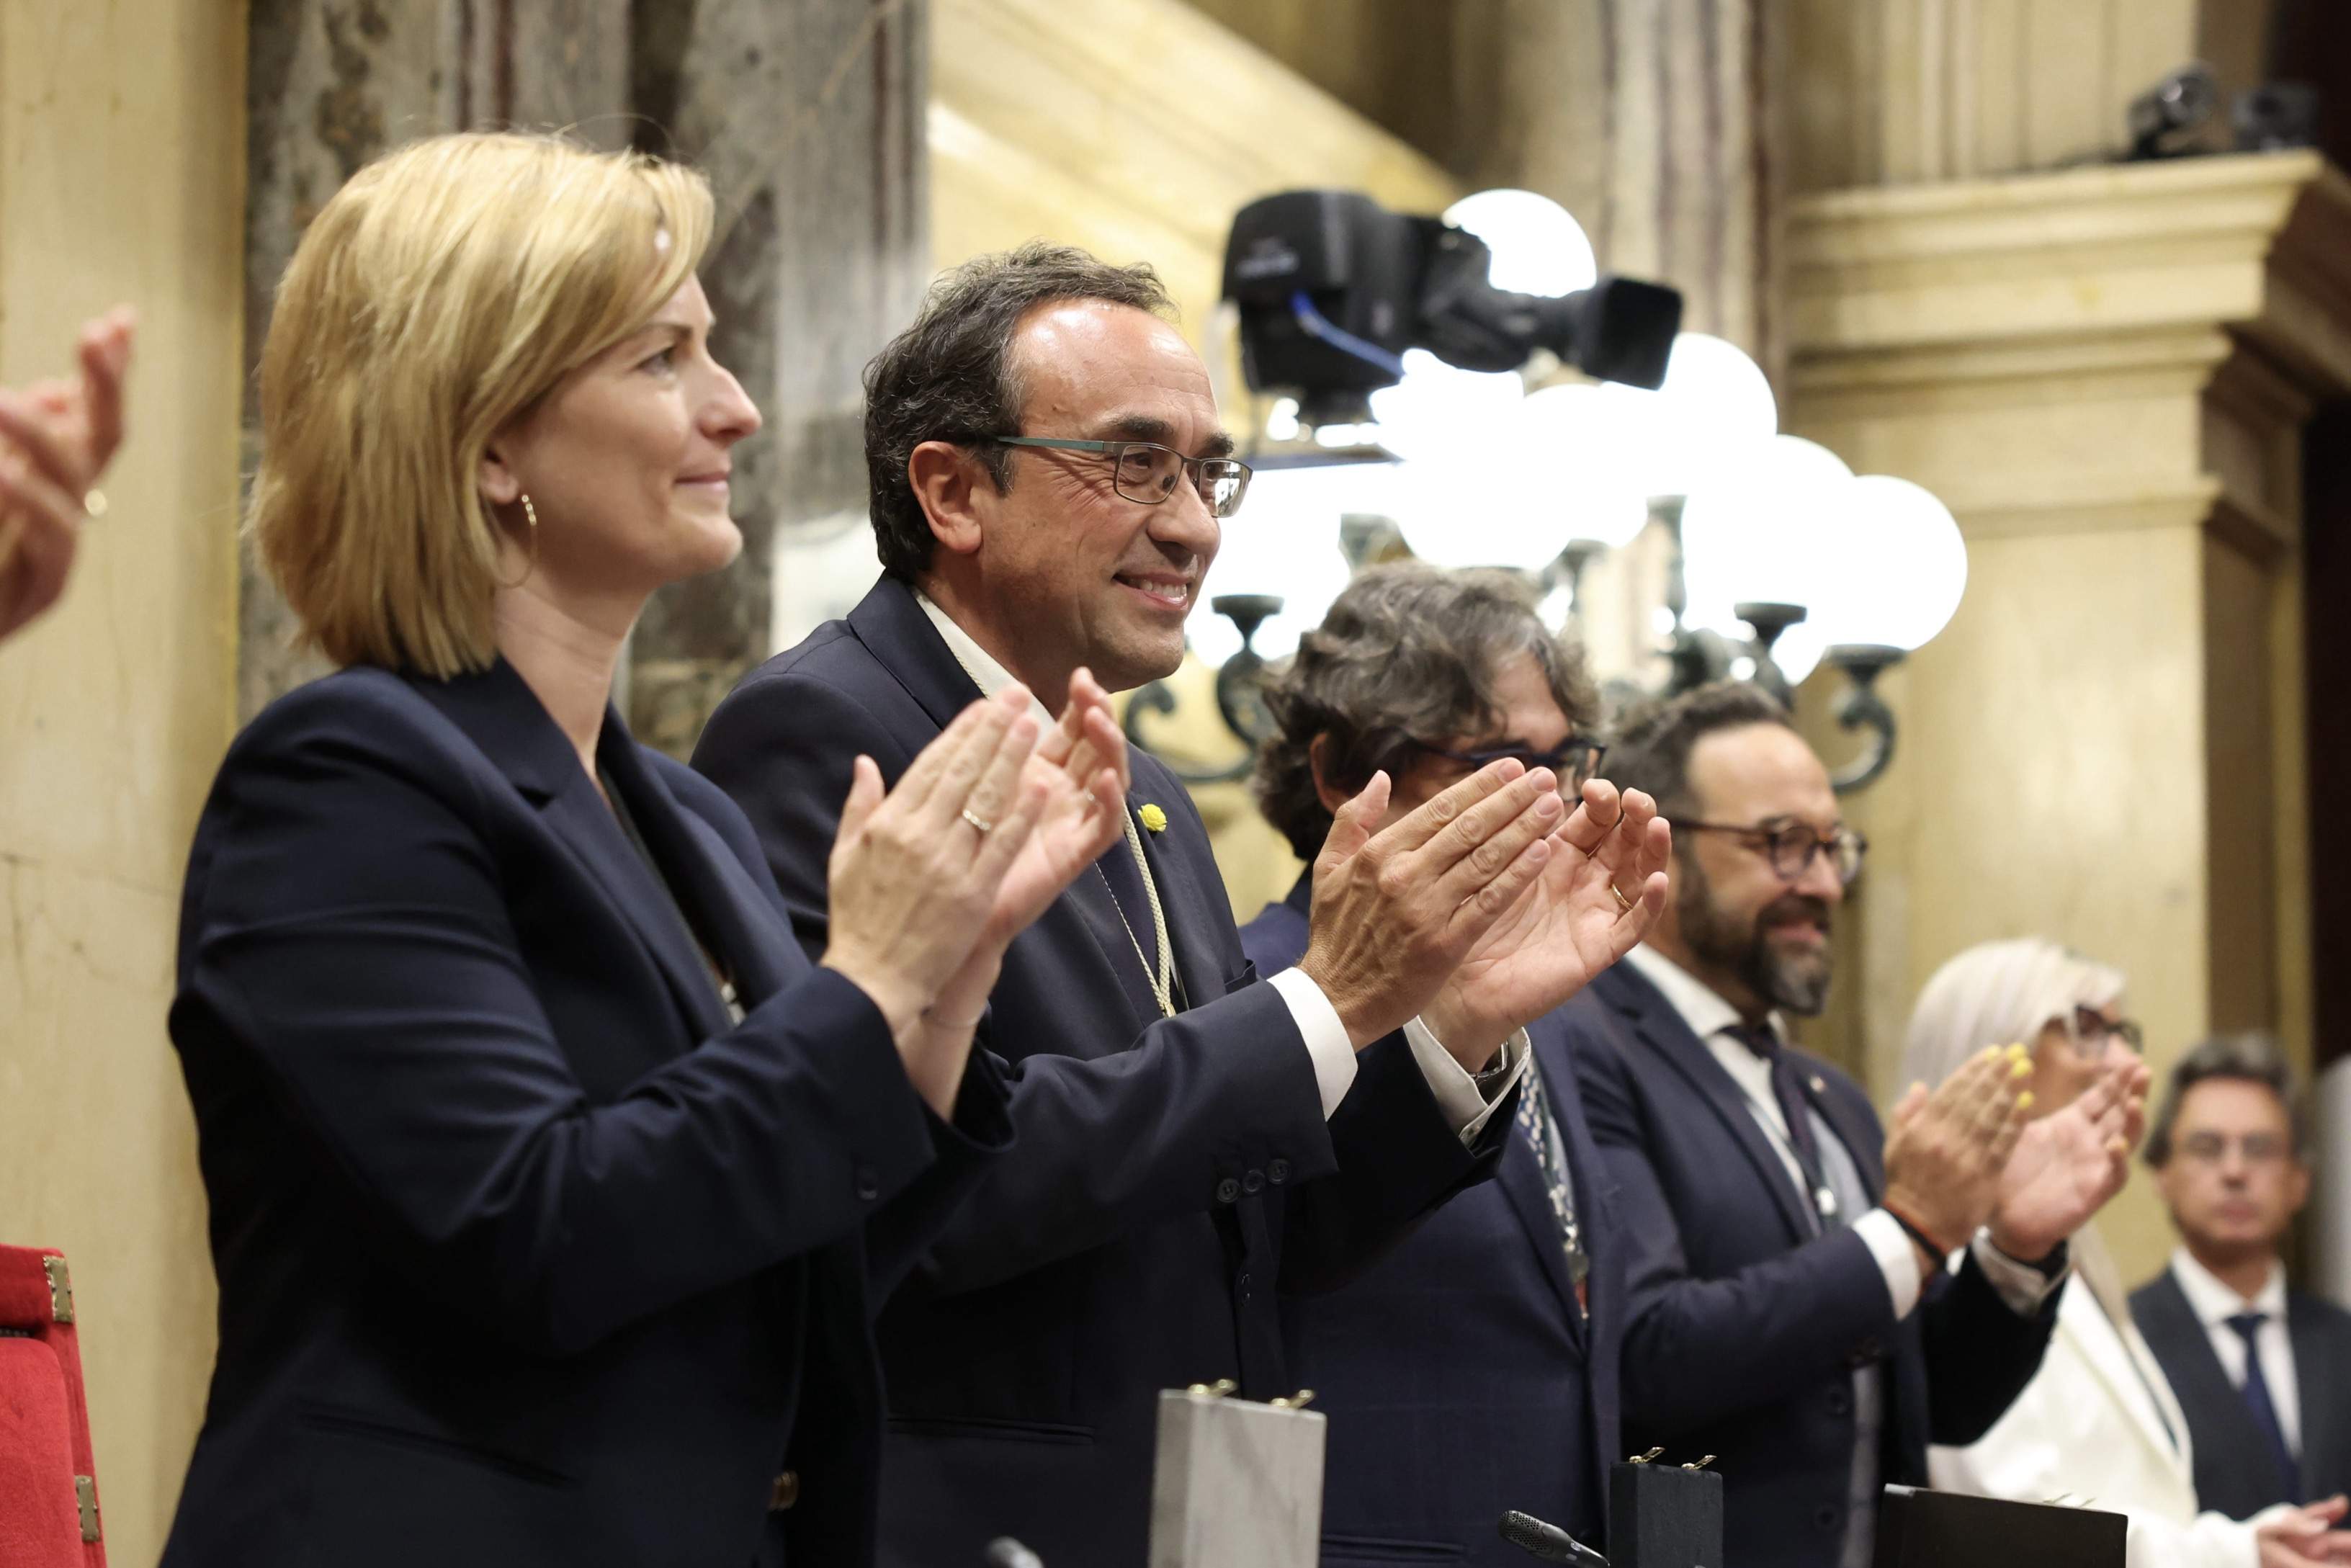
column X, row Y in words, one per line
column 329, row 86
column 2106, row 373
column 807, row 115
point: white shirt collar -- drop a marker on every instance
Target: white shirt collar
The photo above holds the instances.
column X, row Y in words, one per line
column 1699, row 1005
column 985, row 672
column 2214, row 1304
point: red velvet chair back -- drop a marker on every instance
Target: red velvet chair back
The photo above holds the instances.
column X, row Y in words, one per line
column 48, row 1487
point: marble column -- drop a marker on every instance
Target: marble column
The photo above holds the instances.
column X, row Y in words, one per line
column 807, row 115
column 332, row 83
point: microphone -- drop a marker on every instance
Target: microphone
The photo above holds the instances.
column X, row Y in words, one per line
column 1547, row 1542
column 1005, row 1552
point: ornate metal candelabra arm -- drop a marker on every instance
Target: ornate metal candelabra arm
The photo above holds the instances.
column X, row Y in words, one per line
column 1862, row 709
column 1768, row 621
column 1240, row 699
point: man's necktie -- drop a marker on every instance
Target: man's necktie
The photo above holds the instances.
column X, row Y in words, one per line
column 1534, row 1124
column 2264, row 1410
column 1759, row 1039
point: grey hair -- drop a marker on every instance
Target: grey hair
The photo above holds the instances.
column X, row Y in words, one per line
column 1404, row 657
column 2248, row 1058
column 2000, row 993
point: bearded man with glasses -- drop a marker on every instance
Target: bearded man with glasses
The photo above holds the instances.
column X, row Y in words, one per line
column 1794, row 1309
column 1049, row 482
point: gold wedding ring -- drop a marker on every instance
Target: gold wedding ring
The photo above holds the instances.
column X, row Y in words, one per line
column 93, row 505
column 985, row 828
column 1623, row 902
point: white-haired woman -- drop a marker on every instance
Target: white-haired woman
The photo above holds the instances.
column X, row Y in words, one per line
column 2098, row 1422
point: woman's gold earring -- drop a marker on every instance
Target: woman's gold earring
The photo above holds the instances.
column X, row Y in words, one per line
column 530, row 516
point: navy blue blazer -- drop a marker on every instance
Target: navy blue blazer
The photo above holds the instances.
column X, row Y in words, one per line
column 1171, row 1174
column 1745, row 1329
column 527, row 1252
column 1460, row 1378
column 2233, row 1471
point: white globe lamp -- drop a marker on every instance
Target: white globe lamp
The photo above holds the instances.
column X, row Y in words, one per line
column 1539, row 247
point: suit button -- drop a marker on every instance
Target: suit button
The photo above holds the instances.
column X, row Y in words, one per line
column 1824, row 1518
column 869, row 1186
column 1869, row 1351
column 1228, row 1190
column 1841, row 1402
column 786, row 1492
column 1277, row 1171
column 1253, row 1182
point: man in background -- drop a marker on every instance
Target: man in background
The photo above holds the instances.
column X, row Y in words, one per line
column 2262, row 1373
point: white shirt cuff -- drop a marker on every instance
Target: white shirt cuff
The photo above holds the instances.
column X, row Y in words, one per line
column 1325, row 1035
column 1462, row 1099
column 2021, row 1285
column 1897, row 1259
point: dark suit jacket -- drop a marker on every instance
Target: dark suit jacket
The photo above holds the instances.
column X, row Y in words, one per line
column 1460, row 1378
column 2233, row 1474
column 527, row 1252
column 1171, row 1174
column 1744, row 1328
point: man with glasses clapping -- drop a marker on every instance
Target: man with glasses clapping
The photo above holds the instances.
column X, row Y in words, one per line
column 1048, row 480
column 1784, row 1252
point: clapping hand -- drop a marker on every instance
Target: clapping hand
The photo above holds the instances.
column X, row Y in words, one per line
column 1946, row 1150
column 1081, row 767
column 2306, row 1537
column 2068, row 1164
column 56, row 440
column 1602, row 887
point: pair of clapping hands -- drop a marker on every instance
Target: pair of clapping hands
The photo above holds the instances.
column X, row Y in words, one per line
column 55, row 439
column 1969, row 1155
column 1480, row 910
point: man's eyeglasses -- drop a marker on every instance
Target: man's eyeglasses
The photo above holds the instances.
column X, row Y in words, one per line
column 2212, row 1149
column 1791, row 846
column 2093, row 1030
column 1574, row 760
column 1147, row 472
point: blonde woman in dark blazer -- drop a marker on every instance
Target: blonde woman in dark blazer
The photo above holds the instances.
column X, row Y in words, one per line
column 551, row 1185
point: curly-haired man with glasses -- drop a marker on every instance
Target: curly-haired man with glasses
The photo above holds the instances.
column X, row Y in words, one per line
column 1498, row 1323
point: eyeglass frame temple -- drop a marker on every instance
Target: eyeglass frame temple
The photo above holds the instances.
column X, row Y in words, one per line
column 1190, row 465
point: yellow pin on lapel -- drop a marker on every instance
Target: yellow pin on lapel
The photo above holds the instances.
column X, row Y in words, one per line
column 1152, row 818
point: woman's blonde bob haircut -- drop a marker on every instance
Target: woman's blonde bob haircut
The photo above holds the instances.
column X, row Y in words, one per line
column 443, row 292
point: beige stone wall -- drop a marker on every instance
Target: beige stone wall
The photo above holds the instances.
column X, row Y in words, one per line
column 1898, row 91
column 2106, row 373
column 121, row 152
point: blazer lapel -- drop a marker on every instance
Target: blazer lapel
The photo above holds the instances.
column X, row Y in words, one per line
column 2133, row 1376
column 1850, row 1120
column 502, row 717
column 1520, row 1178
column 2319, row 1382
column 746, row 932
column 1654, row 1020
column 893, row 629
column 1185, row 900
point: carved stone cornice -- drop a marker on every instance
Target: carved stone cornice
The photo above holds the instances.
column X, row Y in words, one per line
column 2126, row 346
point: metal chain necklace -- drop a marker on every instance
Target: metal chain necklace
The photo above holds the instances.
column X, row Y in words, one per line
column 1162, row 978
